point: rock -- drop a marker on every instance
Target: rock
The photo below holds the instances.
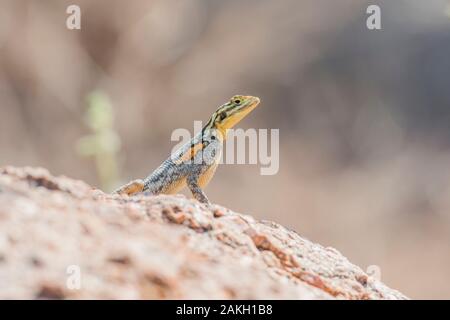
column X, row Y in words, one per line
column 61, row 238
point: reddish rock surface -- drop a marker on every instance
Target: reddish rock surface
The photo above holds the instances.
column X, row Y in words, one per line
column 156, row 247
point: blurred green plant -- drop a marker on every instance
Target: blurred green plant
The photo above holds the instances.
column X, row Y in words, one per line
column 103, row 144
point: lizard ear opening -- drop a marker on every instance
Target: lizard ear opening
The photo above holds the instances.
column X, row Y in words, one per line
column 223, row 115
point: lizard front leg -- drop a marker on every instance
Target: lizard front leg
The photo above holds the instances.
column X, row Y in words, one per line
column 131, row 188
column 197, row 192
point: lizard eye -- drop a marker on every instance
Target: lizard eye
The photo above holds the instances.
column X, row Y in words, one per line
column 237, row 101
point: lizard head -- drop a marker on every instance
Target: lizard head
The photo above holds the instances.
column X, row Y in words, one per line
column 230, row 113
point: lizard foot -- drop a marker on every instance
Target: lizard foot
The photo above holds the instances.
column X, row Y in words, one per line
column 131, row 188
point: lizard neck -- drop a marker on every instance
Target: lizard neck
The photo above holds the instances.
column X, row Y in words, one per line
column 222, row 136
column 212, row 125
column 221, row 132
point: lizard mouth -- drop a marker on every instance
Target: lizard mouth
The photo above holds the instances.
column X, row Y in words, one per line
column 237, row 112
column 252, row 102
column 247, row 107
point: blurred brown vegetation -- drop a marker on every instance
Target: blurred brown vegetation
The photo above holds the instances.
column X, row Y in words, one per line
column 363, row 115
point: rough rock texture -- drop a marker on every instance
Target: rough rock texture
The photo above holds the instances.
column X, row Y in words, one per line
column 156, row 247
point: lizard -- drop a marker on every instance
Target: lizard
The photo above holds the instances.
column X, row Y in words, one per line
column 194, row 164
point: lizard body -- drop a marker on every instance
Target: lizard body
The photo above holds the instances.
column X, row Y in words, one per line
column 194, row 164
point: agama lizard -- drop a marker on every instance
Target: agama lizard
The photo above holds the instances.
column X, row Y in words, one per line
column 195, row 163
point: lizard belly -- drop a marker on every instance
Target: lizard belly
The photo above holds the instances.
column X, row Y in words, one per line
column 213, row 156
column 206, row 176
column 174, row 187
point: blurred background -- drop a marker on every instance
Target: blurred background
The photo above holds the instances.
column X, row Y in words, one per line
column 363, row 115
